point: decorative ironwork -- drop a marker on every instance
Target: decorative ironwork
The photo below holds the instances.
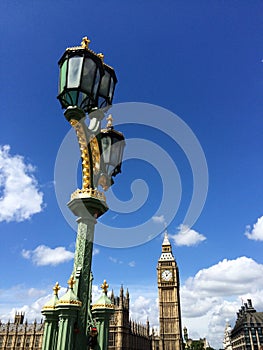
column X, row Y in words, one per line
column 104, row 287
column 56, row 288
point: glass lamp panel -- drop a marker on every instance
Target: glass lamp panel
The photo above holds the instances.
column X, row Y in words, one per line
column 106, row 149
column 121, row 149
column 115, row 153
column 83, row 100
column 63, row 76
column 110, row 169
column 88, row 75
column 104, row 85
column 111, row 89
column 96, row 83
column 72, row 98
column 74, row 71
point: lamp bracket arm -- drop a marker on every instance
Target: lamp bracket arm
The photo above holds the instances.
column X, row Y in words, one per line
column 94, row 126
column 96, row 115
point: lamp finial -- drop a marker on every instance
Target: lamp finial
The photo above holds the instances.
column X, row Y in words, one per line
column 85, row 43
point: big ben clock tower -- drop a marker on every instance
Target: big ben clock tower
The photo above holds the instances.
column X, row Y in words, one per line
column 169, row 299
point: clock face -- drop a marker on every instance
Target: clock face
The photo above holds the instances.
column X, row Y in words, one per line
column 167, row 275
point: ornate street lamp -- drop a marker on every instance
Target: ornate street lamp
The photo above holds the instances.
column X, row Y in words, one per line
column 86, row 86
column 85, row 80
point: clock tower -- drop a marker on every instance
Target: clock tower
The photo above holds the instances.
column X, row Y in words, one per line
column 169, row 299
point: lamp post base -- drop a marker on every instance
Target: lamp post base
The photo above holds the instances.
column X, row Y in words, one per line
column 87, row 205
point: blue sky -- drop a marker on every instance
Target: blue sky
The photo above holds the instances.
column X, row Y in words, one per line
column 200, row 60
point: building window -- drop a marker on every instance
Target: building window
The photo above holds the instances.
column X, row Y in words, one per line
column 111, row 339
column 18, row 341
column 37, row 341
column 9, row 340
column 27, row 342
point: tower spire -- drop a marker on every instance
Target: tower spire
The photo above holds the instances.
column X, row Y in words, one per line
column 166, row 239
column 167, row 254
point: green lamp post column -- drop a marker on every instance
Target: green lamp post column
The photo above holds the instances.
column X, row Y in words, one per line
column 102, row 310
column 51, row 321
column 87, row 210
column 67, row 309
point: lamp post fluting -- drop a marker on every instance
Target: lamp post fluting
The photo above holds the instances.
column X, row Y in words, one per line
column 86, row 89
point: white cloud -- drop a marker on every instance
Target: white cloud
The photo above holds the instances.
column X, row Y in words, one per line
column 214, row 295
column 20, row 197
column 256, row 233
column 187, row 236
column 44, row 255
column 132, row 263
column 24, row 303
column 144, row 305
column 18, row 298
column 115, row 261
column 158, row 219
column 95, row 251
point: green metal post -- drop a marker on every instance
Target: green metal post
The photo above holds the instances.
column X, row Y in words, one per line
column 102, row 310
column 87, row 210
column 51, row 321
column 50, row 330
column 67, row 309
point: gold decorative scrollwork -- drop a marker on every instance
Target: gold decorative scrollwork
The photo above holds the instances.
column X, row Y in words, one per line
column 83, row 145
column 87, row 190
column 95, row 150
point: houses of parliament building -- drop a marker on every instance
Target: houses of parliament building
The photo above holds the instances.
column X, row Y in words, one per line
column 124, row 334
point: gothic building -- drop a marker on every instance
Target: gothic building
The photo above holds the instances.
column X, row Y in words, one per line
column 247, row 333
column 21, row 335
column 124, row 334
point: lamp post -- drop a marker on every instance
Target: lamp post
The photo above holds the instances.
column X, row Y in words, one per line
column 86, row 88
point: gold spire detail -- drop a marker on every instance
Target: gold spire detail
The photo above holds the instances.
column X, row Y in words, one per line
column 56, row 288
column 101, row 56
column 85, row 43
column 110, row 120
column 104, row 287
column 71, row 282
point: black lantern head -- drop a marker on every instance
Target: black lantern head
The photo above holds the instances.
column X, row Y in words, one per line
column 81, row 72
column 107, row 86
column 112, row 145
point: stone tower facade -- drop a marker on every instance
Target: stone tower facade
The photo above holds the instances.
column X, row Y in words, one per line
column 169, row 300
column 125, row 334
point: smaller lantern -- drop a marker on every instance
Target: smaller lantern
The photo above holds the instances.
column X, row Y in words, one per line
column 112, row 146
column 107, row 85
